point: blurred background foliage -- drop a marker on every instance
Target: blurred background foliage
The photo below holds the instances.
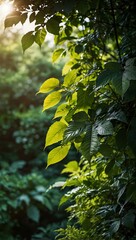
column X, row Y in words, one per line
column 28, row 206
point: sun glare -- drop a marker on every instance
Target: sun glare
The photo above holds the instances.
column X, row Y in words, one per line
column 5, row 9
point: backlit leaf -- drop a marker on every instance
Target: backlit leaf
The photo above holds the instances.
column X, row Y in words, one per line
column 62, row 110
column 32, row 17
column 64, row 199
column 71, row 167
column 27, row 40
column 23, row 17
column 40, row 17
column 57, row 53
column 67, row 67
column 69, row 79
column 57, row 154
column 55, row 133
column 49, row 85
column 11, row 20
column 51, row 100
column 40, row 36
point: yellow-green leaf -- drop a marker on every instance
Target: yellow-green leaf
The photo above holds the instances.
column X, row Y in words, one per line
column 62, row 110
column 55, row 133
column 71, row 167
column 51, row 100
column 49, row 85
column 57, row 154
column 67, row 67
column 70, row 77
column 57, row 53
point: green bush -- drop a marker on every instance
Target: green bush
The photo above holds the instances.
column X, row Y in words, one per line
column 27, row 205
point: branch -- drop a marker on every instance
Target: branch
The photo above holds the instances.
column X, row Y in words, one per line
column 115, row 30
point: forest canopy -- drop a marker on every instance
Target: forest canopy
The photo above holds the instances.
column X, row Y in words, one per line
column 95, row 111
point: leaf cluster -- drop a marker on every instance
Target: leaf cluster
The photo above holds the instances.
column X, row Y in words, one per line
column 96, row 112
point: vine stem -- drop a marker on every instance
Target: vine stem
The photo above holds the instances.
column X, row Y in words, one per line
column 115, row 29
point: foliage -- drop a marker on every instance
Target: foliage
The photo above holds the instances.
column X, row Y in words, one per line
column 28, row 205
column 96, row 108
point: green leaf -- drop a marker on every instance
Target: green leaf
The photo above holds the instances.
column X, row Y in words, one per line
column 68, row 66
column 80, row 117
column 118, row 115
column 24, row 198
column 71, row 167
column 32, row 17
column 121, row 139
column 131, row 62
column 40, row 36
column 11, row 20
column 113, row 75
column 33, row 213
column 40, row 17
column 84, row 98
column 52, row 26
column 39, row 198
column 27, row 40
column 51, row 100
column 49, row 85
column 74, row 130
column 58, row 184
column 109, row 166
column 130, row 94
column 121, row 192
column 105, row 128
column 106, row 150
column 114, row 227
column 64, row 199
column 57, row 154
column 132, row 135
column 62, row 110
column 83, row 7
column 55, row 133
column 48, row 204
column 23, row 17
column 70, row 77
column 120, row 84
column 108, row 74
column 129, row 73
column 68, row 30
column 131, row 192
column 90, row 143
column 68, row 6
column 57, row 53
column 129, row 220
